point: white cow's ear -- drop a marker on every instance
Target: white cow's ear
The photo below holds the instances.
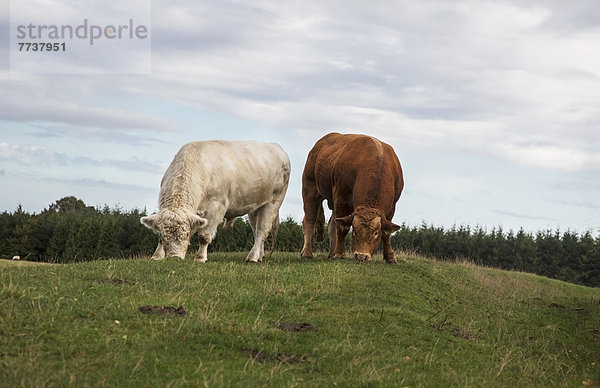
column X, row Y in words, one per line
column 197, row 222
column 149, row 221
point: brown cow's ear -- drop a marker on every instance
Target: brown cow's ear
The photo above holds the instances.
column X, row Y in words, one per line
column 389, row 226
column 345, row 221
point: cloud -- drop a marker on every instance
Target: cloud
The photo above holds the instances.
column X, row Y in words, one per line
column 519, row 82
column 97, row 183
column 576, row 184
column 131, row 164
column 510, row 89
column 33, row 155
column 488, row 77
column 191, row 26
column 580, row 204
column 46, row 99
column 131, row 137
column 549, row 155
column 5, row 34
column 526, row 216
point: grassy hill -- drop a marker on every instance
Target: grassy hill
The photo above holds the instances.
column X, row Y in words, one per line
column 289, row 322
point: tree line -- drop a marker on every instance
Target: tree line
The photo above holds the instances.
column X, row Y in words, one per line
column 567, row 256
column 70, row 231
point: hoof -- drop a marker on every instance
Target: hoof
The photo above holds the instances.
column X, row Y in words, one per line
column 390, row 259
column 200, row 260
column 253, row 261
column 304, row 255
column 157, row 258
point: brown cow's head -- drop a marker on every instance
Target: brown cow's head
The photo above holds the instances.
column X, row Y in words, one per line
column 367, row 224
column 174, row 230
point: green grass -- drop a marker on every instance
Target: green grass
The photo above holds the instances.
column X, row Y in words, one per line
column 421, row 323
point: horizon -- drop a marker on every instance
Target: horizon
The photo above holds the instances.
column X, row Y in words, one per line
column 492, row 107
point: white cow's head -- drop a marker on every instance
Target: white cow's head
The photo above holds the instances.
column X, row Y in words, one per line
column 174, row 230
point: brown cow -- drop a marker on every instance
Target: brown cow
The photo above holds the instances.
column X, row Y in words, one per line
column 361, row 179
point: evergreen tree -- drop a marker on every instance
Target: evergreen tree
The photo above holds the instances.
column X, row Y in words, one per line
column 69, row 230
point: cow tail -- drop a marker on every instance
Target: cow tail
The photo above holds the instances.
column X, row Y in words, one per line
column 320, row 224
column 274, row 228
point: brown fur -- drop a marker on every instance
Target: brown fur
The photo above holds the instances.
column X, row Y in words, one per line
column 361, row 179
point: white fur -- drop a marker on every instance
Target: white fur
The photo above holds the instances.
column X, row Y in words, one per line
column 209, row 181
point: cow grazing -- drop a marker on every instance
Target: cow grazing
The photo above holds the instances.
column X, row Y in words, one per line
column 16, row 258
column 209, row 181
column 361, row 179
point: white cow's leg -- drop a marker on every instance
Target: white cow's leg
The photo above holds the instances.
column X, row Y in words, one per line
column 205, row 236
column 254, row 255
column 159, row 253
column 202, row 254
column 261, row 221
column 252, row 217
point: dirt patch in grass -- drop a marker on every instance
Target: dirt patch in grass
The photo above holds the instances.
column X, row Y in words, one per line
column 115, row 281
column 261, row 357
column 561, row 307
column 162, row 310
column 461, row 333
column 288, row 326
column 286, row 358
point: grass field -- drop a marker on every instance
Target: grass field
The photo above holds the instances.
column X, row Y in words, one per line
column 289, row 322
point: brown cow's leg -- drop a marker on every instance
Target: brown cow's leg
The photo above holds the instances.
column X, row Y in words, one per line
column 341, row 209
column 307, row 231
column 340, row 249
column 311, row 206
column 388, row 252
column 332, row 236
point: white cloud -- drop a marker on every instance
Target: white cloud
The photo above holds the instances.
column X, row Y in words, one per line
column 103, row 135
column 473, row 75
column 428, row 70
column 31, row 155
column 97, row 183
column 554, row 156
column 132, row 164
column 514, row 83
column 35, row 155
column 64, row 100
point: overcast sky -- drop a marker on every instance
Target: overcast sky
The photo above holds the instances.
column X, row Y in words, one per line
column 493, row 107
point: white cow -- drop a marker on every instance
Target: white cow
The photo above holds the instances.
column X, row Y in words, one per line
column 209, row 181
column 16, row 258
